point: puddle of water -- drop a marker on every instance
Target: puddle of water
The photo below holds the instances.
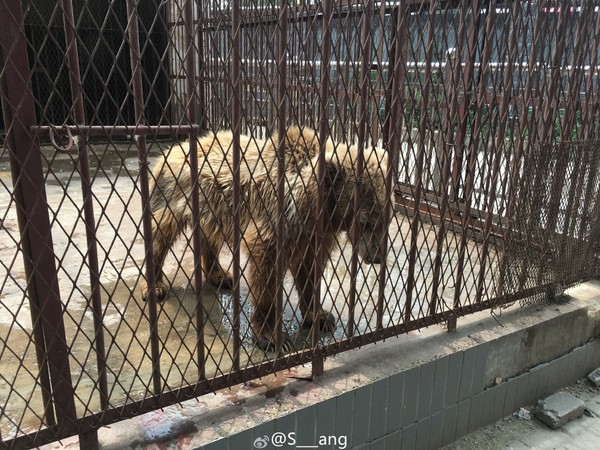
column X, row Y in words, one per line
column 125, row 315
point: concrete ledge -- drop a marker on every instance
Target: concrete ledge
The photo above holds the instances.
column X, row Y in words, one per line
column 423, row 389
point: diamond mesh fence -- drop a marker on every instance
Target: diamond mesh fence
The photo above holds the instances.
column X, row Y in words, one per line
column 198, row 193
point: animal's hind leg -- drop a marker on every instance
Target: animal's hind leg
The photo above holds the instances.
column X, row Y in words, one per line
column 166, row 227
column 215, row 274
column 263, row 290
column 304, row 270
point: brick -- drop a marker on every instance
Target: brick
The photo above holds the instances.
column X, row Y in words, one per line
column 577, row 364
column 475, row 414
column 454, row 375
column 558, row 370
column 379, row 402
column 563, row 370
column 440, row 379
column 481, row 359
column 263, row 429
column 487, row 406
column 592, row 355
column 436, row 430
column 287, row 423
column 423, row 427
column 558, row 409
column 395, row 401
column 522, row 389
column 462, row 418
column 393, row 441
column 409, row 437
column 450, row 416
column 544, row 380
column 221, row 444
column 466, row 377
column 499, row 397
column 511, row 396
column 362, row 412
column 306, row 426
column 379, row 444
column 425, row 390
column 326, row 417
column 344, row 406
column 243, row 439
column 411, row 396
column 532, row 386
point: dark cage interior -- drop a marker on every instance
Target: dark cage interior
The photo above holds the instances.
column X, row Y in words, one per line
column 198, row 193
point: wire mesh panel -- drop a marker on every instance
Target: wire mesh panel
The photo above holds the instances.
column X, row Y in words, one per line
column 198, row 193
column 552, row 240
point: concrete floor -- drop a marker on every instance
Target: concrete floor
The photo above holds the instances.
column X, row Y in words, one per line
column 125, row 315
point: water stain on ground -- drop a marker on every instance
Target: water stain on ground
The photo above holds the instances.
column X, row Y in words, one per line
column 184, row 349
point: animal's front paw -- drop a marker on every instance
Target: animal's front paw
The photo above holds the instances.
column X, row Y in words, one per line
column 265, row 340
column 159, row 289
column 324, row 320
column 220, row 279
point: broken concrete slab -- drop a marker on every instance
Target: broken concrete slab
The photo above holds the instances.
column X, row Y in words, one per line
column 558, row 409
column 593, row 406
column 594, row 377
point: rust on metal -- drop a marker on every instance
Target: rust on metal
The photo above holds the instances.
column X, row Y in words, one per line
column 240, row 122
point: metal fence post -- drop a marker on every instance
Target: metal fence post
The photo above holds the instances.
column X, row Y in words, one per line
column 34, row 222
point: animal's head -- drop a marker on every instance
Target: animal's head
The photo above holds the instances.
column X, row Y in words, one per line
column 348, row 173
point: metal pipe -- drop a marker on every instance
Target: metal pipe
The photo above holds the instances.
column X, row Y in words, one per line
column 393, row 127
column 324, row 133
column 191, row 95
column 138, row 100
column 281, row 126
column 34, row 222
column 236, row 125
column 117, row 130
column 88, row 199
column 415, row 223
column 365, row 64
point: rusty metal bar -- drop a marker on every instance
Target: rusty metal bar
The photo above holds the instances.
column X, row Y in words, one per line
column 415, row 222
column 38, row 332
column 236, row 125
column 281, row 125
column 500, row 142
column 474, row 150
column 469, row 78
column 191, row 95
column 393, row 128
column 551, row 101
column 570, row 118
column 88, row 199
column 117, row 130
column 549, row 111
column 451, row 76
column 365, row 65
column 463, row 97
column 587, row 130
column 135, row 59
column 34, row 224
column 324, row 133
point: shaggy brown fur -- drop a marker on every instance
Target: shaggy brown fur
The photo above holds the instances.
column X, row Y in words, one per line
column 258, row 174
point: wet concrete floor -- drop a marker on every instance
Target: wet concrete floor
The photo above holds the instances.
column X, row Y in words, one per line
column 114, row 171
